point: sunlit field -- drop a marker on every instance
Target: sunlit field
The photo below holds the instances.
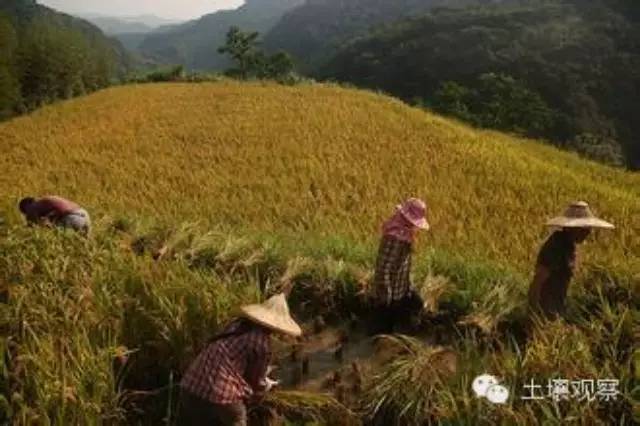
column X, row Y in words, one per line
column 316, row 159
column 202, row 194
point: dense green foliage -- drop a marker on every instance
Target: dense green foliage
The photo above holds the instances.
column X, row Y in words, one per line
column 495, row 100
column 313, row 31
column 46, row 56
column 572, row 70
column 9, row 88
column 194, row 44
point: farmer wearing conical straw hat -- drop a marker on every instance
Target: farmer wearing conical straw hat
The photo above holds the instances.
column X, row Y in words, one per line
column 233, row 368
column 556, row 261
column 393, row 292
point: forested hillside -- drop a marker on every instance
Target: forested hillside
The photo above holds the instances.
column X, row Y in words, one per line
column 194, row 44
column 568, row 71
column 46, row 55
column 313, row 31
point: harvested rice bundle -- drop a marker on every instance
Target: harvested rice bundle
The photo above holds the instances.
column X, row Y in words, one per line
column 405, row 390
column 309, row 406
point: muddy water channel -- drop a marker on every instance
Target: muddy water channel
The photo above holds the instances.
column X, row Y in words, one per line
column 331, row 360
column 301, row 365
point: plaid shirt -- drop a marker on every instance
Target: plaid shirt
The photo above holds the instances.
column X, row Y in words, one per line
column 391, row 281
column 232, row 367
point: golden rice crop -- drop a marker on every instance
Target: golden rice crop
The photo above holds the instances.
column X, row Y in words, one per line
column 205, row 194
column 309, row 160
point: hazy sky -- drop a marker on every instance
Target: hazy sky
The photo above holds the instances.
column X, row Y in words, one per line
column 174, row 9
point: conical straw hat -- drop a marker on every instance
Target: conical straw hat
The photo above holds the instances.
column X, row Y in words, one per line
column 579, row 215
column 273, row 314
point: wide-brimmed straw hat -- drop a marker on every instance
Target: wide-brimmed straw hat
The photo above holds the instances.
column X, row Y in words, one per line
column 415, row 211
column 273, row 314
column 579, row 215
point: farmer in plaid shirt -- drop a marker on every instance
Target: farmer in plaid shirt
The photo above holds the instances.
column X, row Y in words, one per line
column 392, row 285
column 233, row 368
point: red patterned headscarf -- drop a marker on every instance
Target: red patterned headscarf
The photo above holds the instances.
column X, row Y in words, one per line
column 409, row 217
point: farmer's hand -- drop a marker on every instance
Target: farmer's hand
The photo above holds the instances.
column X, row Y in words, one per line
column 269, row 384
column 45, row 221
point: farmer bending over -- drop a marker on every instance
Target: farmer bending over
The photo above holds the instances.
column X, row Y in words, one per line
column 55, row 211
column 233, row 368
column 557, row 258
column 394, row 298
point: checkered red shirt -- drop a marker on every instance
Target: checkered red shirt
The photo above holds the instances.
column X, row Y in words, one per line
column 231, row 368
column 393, row 266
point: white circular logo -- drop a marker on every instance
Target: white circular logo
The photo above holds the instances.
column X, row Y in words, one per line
column 481, row 384
column 497, row 394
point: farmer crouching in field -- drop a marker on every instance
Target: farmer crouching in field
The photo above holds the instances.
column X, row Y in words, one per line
column 233, row 368
column 394, row 299
column 557, row 259
column 55, row 211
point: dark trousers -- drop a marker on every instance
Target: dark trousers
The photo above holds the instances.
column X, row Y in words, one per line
column 195, row 411
column 397, row 316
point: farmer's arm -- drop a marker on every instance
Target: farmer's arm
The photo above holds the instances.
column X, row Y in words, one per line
column 52, row 209
column 541, row 276
column 547, row 257
column 258, row 362
column 40, row 213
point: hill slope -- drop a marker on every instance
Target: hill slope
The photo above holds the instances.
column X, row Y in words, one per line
column 566, row 52
column 46, row 55
column 24, row 12
column 289, row 186
column 195, row 43
column 312, row 160
column 314, row 31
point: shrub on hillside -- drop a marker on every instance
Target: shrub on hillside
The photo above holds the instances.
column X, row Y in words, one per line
column 171, row 74
column 598, row 148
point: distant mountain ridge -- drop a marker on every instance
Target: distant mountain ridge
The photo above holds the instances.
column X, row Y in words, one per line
column 195, row 43
column 115, row 25
column 308, row 29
